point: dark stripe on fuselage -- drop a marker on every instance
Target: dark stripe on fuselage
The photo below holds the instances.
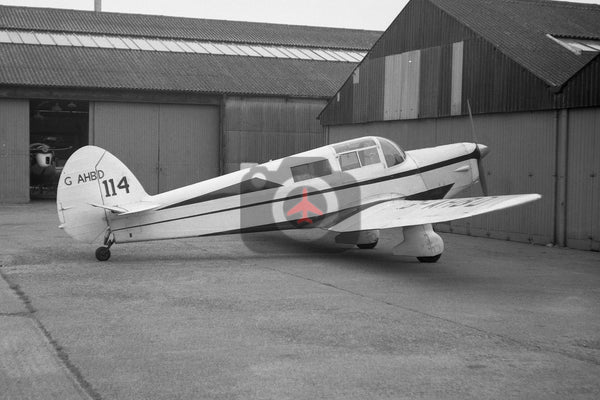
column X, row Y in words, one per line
column 476, row 154
column 249, row 186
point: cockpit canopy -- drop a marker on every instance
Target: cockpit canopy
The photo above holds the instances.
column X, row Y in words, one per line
column 353, row 154
column 362, row 152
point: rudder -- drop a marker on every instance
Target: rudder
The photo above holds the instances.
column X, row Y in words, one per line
column 92, row 179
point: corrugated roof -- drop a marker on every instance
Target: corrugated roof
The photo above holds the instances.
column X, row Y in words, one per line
column 518, row 28
column 78, row 67
column 57, row 66
column 28, row 18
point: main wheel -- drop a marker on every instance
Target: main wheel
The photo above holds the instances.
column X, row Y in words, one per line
column 102, row 253
column 366, row 246
column 429, row 259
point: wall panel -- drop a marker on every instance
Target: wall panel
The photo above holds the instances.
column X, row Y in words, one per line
column 14, row 151
column 188, row 145
column 130, row 132
column 583, row 179
column 164, row 145
column 457, row 78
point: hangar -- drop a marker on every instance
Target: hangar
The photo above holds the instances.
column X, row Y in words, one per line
column 177, row 99
column 530, row 71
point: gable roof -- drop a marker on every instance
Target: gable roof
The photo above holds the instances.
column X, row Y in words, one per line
column 37, row 65
column 519, row 29
column 110, row 23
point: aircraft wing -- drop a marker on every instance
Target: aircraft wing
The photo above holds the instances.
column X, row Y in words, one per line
column 398, row 213
column 128, row 208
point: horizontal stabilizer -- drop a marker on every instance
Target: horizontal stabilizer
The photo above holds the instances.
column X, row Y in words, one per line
column 129, row 208
column 399, row 213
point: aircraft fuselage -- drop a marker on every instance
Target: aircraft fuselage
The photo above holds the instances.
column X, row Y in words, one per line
column 337, row 180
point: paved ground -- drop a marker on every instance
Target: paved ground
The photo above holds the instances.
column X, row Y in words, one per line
column 210, row 319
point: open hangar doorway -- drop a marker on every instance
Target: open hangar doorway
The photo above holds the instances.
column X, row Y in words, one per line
column 57, row 128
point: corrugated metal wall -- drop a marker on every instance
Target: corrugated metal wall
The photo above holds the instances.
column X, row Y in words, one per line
column 260, row 129
column 522, row 160
column 14, row 151
column 188, row 144
column 401, row 87
column 583, row 179
column 456, row 65
column 165, row 145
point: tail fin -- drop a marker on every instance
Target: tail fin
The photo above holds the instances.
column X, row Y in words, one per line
column 92, row 183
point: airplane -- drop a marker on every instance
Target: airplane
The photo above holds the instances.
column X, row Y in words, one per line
column 355, row 189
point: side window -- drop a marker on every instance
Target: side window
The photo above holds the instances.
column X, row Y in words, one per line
column 369, row 156
column 349, row 161
column 392, row 155
column 311, row 170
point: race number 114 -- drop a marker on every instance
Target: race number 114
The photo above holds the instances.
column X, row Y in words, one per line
column 111, row 190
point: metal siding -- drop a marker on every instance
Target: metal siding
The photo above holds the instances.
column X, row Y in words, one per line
column 356, row 95
column 583, row 179
column 508, row 77
column 495, row 83
column 369, row 99
column 411, row 70
column 14, row 151
column 445, row 87
column 583, row 90
column 392, row 87
column 130, row 132
column 376, row 94
column 407, row 33
column 519, row 29
column 261, row 129
column 430, row 82
column 521, row 160
column 188, row 145
column 457, row 79
column 420, row 25
column 401, row 88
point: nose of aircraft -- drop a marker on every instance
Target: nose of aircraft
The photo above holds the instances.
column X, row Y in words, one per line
column 483, row 150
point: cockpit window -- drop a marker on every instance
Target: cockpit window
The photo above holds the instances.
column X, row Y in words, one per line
column 393, row 155
column 311, row 170
column 349, row 161
column 368, row 156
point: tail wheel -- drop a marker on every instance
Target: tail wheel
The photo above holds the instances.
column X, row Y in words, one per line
column 429, row 259
column 366, row 246
column 102, row 253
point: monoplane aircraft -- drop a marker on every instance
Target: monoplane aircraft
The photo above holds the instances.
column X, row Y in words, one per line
column 353, row 189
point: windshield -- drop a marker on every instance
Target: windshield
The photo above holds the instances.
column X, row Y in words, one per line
column 393, row 154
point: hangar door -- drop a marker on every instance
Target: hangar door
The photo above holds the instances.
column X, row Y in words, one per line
column 165, row 145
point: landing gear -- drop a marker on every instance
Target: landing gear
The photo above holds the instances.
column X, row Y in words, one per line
column 367, row 246
column 103, row 252
column 429, row 259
